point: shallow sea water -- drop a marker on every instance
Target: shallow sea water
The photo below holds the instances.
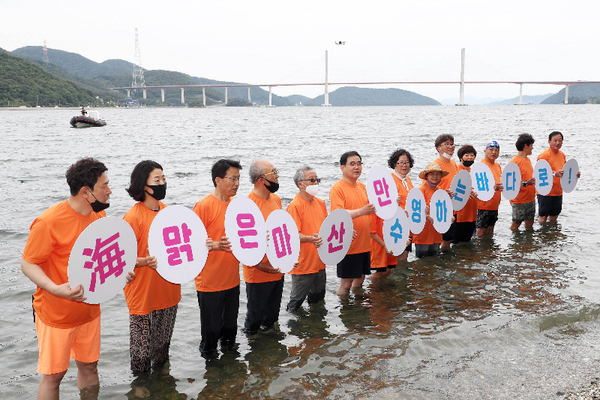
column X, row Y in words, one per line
column 515, row 316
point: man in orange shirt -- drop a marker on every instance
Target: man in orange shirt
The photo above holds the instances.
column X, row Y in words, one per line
column 550, row 205
column 487, row 211
column 523, row 206
column 264, row 283
column 444, row 144
column 309, row 212
column 350, row 194
column 218, row 285
column 66, row 327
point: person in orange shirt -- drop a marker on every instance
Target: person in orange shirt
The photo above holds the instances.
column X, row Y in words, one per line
column 444, row 144
column 66, row 326
column 218, row 285
column 152, row 300
column 550, row 206
column 350, row 194
column 264, row 283
column 309, row 212
column 401, row 163
column 487, row 211
column 382, row 260
column 465, row 218
column 427, row 242
column 523, row 206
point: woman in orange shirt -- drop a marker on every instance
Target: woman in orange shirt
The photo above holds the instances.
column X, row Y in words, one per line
column 152, row 301
column 401, row 163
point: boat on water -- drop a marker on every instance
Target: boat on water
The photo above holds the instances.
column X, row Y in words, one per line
column 91, row 118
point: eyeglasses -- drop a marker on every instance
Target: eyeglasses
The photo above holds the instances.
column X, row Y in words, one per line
column 403, row 163
column 232, row 178
column 312, row 180
column 448, row 144
column 274, row 172
column 355, row 164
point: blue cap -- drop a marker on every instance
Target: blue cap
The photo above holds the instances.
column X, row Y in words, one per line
column 491, row 144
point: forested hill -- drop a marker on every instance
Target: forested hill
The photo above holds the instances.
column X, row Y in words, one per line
column 354, row 96
column 581, row 94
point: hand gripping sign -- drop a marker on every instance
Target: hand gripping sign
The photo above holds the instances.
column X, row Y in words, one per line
column 440, row 209
column 415, row 205
column 177, row 238
column 569, row 179
column 544, row 179
column 483, row 181
column 247, row 231
column 382, row 192
column 283, row 248
column 511, row 179
column 461, row 187
column 396, row 232
column 336, row 231
column 104, row 253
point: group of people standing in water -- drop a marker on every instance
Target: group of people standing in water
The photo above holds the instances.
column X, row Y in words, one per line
column 67, row 327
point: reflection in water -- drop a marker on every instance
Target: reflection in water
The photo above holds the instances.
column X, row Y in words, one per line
column 224, row 376
column 158, row 384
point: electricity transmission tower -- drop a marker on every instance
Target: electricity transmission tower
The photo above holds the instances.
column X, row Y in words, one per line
column 138, row 71
column 45, row 58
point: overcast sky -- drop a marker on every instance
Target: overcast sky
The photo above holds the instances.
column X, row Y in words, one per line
column 262, row 41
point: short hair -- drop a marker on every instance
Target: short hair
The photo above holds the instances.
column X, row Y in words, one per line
column 255, row 172
column 443, row 138
column 139, row 177
column 347, row 154
column 396, row 155
column 220, row 168
column 84, row 172
column 467, row 148
column 524, row 139
column 552, row 134
column 299, row 175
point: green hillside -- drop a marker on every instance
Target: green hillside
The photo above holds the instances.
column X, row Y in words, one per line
column 578, row 94
column 354, row 96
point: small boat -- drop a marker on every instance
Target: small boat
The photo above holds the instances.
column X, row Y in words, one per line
column 86, row 121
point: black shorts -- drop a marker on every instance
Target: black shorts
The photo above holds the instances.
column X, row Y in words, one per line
column 449, row 235
column 354, row 265
column 549, row 205
column 383, row 269
column 463, row 232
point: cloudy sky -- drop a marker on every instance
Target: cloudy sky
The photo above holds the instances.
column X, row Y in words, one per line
column 266, row 41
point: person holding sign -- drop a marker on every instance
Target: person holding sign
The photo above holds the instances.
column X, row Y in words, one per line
column 350, row 194
column 487, row 211
column 466, row 217
column 401, row 163
column 66, row 326
column 382, row 260
column 523, row 206
column 264, row 283
column 309, row 212
column 444, row 144
column 151, row 299
column 427, row 242
column 550, row 205
column 218, row 285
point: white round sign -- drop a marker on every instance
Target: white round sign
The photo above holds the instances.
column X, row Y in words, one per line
column 461, row 187
column 247, row 231
column 544, row 178
column 440, row 209
column 396, row 232
column 283, row 245
column 382, row 192
column 569, row 179
column 336, row 231
column 415, row 205
column 177, row 238
column 104, row 253
column 483, row 181
column 511, row 180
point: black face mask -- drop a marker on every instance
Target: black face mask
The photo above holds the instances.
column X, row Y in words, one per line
column 273, row 186
column 160, row 191
column 468, row 163
column 97, row 206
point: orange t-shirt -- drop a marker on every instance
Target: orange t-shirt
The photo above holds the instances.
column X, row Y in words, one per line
column 451, row 167
column 379, row 258
column 351, row 197
column 222, row 269
column 252, row 274
column 51, row 238
column 148, row 291
column 308, row 216
column 429, row 235
column 557, row 162
column 403, row 191
column 469, row 211
column 527, row 193
column 494, row 202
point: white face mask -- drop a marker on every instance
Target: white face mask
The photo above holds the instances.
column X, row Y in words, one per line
column 312, row 189
column 446, row 156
